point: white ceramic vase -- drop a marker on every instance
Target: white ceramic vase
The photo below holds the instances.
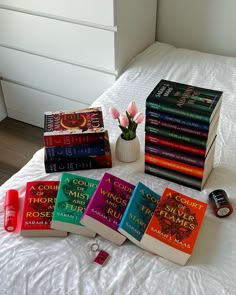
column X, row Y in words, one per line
column 127, row 150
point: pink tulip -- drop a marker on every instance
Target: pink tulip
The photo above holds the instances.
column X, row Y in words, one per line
column 132, row 109
column 114, row 113
column 124, row 121
column 138, row 118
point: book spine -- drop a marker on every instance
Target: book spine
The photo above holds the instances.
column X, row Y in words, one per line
column 73, row 139
column 174, row 165
column 160, row 131
column 179, row 112
column 177, row 120
column 174, row 126
column 174, row 155
column 174, row 176
column 77, row 163
column 74, row 151
column 174, row 144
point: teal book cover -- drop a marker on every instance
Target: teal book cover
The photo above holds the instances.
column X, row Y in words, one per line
column 74, row 194
column 138, row 212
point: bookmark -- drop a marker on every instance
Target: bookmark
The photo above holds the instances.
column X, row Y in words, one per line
column 101, row 256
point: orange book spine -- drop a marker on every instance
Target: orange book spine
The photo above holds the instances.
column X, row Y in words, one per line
column 174, row 165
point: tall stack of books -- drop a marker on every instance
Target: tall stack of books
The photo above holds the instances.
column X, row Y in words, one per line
column 76, row 140
column 181, row 128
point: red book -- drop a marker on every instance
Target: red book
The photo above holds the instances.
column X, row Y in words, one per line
column 174, row 227
column 38, row 208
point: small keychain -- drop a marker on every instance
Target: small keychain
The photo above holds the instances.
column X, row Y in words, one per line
column 101, row 256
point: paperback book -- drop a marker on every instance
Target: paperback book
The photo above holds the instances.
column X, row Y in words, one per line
column 185, row 101
column 89, row 120
column 174, row 227
column 73, row 196
column 105, row 210
column 39, row 202
column 138, row 213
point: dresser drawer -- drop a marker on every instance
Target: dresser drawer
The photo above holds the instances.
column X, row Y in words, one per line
column 75, row 82
column 94, row 11
column 28, row 105
column 74, row 43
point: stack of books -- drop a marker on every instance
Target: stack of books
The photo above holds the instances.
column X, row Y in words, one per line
column 181, row 129
column 76, row 140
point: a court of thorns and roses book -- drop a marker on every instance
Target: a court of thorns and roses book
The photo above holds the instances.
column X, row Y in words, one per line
column 174, row 227
column 107, row 206
column 39, row 201
column 73, row 196
column 181, row 128
column 138, row 213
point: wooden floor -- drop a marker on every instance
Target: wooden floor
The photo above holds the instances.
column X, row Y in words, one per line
column 19, row 141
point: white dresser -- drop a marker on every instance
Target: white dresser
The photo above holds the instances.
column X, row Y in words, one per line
column 60, row 54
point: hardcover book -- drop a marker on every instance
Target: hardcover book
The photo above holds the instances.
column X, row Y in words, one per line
column 73, row 196
column 75, row 150
column 105, row 210
column 39, row 202
column 174, row 227
column 89, row 120
column 138, row 213
column 185, row 101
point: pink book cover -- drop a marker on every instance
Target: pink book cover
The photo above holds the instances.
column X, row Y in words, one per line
column 110, row 200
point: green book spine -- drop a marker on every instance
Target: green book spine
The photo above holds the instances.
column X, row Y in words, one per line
column 171, row 109
column 167, row 133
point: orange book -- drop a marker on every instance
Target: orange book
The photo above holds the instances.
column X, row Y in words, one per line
column 174, row 165
column 173, row 229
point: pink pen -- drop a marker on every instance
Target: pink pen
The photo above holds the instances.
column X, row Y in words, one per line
column 11, row 208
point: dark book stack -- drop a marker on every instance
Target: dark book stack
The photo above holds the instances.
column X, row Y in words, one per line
column 180, row 132
column 76, row 140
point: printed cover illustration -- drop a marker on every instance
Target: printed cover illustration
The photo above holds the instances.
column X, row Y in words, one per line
column 78, row 121
column 38, row 208
column 138, row 213
column 74, row 194
column 174, row 226
column 185, row 100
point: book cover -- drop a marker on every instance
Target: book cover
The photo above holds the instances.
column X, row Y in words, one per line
column 39, row 202
column 89, row 120
column 174, row 226
column 73, row 196
column 105, row 210
column 74, row 139
column 138, row 213
column 76, row 150
column 184, row 100
column 161, row 141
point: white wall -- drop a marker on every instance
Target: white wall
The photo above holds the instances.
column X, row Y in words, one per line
column 204, row 25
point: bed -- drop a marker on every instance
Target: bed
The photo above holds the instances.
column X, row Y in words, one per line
column 64, row 265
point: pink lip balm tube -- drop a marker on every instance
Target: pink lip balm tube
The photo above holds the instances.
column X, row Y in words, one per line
column 11, row 208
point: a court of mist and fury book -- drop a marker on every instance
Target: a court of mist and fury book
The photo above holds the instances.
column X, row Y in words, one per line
column 174, row 226
column 107, row 206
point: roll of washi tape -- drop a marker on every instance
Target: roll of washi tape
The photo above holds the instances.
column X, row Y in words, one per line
column 220, row 203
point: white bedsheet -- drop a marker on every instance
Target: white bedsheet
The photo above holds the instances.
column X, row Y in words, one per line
column 64, row 265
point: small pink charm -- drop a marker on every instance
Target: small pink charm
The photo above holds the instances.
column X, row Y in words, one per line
column 102, row 255
column 101, row 258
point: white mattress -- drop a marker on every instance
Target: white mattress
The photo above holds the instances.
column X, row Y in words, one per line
column 64, row 265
